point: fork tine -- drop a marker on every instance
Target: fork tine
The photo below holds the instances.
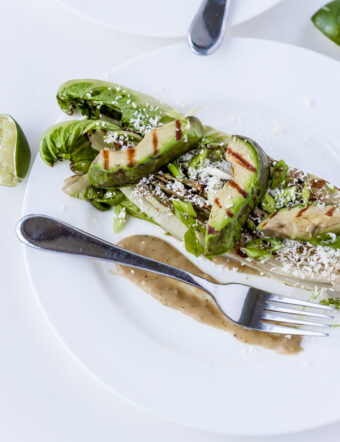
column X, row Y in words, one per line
column 273, row 328
column 285, row 300
column 294, row 311
column 280, row 318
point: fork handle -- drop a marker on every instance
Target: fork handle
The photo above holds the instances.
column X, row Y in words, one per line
column 47, row 233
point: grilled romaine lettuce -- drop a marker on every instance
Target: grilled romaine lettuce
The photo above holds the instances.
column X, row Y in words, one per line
column 180, row 196
column 130, row 109
column 70, row 140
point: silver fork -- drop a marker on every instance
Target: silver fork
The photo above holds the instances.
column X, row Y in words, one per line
column 247, row 306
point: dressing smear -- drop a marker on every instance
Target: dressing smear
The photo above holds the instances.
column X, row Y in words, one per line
column 190, row 300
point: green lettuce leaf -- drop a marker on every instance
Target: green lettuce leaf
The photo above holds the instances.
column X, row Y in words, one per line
column 119, row 218
column 175, row 170
column 69, row 141
column 131, row 109
column 278, row 174
column 327, row 240
column 79, row 186
column 184, row 207
column 262, row 248
column 268, row 203
column 133, row 210
column 186, row 213
column 192, row 243
column 305, row 193
column 199, row 160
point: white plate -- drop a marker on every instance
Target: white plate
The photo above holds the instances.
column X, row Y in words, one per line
column 157, row 18
column 158, row 359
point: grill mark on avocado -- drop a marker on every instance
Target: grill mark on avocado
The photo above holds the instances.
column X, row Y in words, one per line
column 131, row 153
column 211, row 230
column 270, row 216
column 330, row 211
column 217, row 202
column 318, row 184
column 241, row 253
column 229, row 213
column 155, row 142
column 241, row 161
column 178, row 131
column 302, row 211
column 106, row 159
column 239, row 189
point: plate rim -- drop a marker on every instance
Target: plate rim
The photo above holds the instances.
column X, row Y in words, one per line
column 126, row 31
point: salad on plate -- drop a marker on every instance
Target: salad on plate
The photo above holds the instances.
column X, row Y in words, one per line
column 220, row 193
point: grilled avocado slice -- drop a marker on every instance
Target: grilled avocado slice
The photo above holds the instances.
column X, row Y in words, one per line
column 302, row 222
column 159, row 147
column 239, row 196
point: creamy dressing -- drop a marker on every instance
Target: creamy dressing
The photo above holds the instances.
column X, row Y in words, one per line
column 190, row 300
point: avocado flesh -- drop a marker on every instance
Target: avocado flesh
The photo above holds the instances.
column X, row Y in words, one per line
column 239, row 196
column 159, row 147
column 302, row 222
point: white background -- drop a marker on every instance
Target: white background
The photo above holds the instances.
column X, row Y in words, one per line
column 44, row 394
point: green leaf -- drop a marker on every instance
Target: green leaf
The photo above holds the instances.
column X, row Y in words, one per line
column 305, row 193
column 79, row 186
column 103, row 199
column 327, row 20
column 100, row 206
column 111, row 197
column 327, row 240
column 332, row 302
column 94, row 98
column 261, row 248
column 81, row 155
column 278, row 174
column 199, row 160
column 188, row 216
column 250, row 225
column 133, row 210
column 119, row 218
column 67, row 140
column 268, row 203
column 184, row 207
column 94, row 193
column 191, row 242
column 199, row 227
column 175, row 170
column 183, row 218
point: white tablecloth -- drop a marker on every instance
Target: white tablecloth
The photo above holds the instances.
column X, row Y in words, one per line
column 45, row 395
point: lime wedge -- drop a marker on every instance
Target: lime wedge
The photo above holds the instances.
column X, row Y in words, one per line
column 15, row 153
